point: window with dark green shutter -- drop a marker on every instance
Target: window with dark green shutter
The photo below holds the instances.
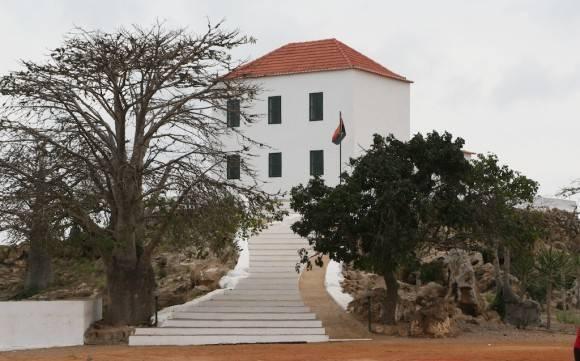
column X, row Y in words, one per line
column 275, row 110
column 233, row 166
column 275, row 165
column 316, row 102
column 316, row 162
column 233, row 113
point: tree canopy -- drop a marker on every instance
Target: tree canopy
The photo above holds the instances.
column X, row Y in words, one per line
column 399, row 197
column 138, row 115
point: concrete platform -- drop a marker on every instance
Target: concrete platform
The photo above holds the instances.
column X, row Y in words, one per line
column 242, row 316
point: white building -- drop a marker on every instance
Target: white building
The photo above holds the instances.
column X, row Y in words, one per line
column 304, row 87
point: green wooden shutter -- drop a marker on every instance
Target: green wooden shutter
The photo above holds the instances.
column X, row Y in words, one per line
column 233, row 113
column 275, row 165
column 275, row 110
column 316, row 106
column 233, row 166
column 316, row 162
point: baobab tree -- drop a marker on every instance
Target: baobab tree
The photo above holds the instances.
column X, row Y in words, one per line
column 138, row 111
column 28, row 210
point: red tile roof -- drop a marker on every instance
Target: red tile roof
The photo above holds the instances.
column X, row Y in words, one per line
column 311, row 56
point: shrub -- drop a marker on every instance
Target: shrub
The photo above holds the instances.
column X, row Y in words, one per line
column 569, row 317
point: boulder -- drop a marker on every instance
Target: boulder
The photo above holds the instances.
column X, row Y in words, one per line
column 434, row 313
column 101, row 334
column 463, row 286
column 485, row 275
column 523, row 313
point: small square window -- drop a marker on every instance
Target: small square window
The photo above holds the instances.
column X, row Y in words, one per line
column 275, row 110
column 275, row 165
column 316, row 105
column 316, row 162
column 233, row 108
column 233, row 166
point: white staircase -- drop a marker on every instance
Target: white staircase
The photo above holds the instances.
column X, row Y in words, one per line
column 265, row 307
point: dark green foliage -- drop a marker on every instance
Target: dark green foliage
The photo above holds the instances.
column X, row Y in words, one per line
column 433, row 272
column 498, row 304
column 399, row 197
column 495, row 192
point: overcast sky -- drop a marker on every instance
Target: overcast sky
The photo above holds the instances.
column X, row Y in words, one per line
column 504, row 75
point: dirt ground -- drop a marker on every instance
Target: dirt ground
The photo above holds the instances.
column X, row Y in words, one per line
column 337, row 323
column 395, row 350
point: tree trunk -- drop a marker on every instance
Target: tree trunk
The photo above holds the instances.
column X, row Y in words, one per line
column 497, row 269
column 39, row 264
column 392, row 298
column 549, row 305
column 506, row 267
column 578, row 289
column 130, row 288
column 564, row 292
column 38, row 268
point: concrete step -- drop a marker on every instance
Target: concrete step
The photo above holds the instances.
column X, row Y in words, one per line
column 241, row 316
column 262, row 292
column 275, row 247
column 277, row 234
column 254, row 297
column 272, row 272
column 251, row 303
column 221, row 339
column 268, row 286
column 190, row 331
column 258, row 271
column 286, row 281
column 273, row 266
column 246, row 309
column 265, row 263
column 241, row 323
column 274, row 258
column 271, row 240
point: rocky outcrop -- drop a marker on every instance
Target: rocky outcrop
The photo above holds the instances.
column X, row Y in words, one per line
column 181, row 278
column 423, row 312
column 12, row 270
column 433, row 316
column 463, row 287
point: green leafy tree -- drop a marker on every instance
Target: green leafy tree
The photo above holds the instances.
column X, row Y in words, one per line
column 551, row 265
column 399, row 198
column 496, row 195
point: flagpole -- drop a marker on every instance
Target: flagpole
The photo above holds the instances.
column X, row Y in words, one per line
column 340, row 152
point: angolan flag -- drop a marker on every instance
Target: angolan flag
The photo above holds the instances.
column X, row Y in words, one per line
column 340, row 131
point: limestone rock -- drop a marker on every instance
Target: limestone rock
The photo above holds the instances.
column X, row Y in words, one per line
column 485, row 275
column 462, row 281
column 434, row 314
column 101, row 334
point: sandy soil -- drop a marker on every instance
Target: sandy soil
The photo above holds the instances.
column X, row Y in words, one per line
column 338, row 324
column 396, row 350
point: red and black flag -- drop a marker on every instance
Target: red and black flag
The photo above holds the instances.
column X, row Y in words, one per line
column 340, row 131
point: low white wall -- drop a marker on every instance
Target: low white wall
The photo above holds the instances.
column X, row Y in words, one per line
column 38, row 324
